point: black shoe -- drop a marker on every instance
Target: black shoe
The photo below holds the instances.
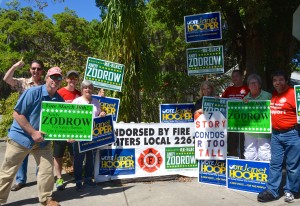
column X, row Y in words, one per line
column 265, row 196
column 17, row 186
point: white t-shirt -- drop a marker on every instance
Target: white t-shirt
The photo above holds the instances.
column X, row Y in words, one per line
column 81, row 100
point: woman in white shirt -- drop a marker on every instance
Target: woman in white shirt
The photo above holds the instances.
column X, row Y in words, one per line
column 86, row 98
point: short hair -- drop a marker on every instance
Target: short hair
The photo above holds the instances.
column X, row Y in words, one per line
column 207, row 83
column 240, row 72
column 280, row 73
column 38, row 62
column 86, row 83
column 254, row 76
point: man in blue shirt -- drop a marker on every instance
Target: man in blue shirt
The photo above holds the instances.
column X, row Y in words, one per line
column 25, row 138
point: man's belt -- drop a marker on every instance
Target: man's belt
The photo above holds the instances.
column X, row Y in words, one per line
column 296, row 127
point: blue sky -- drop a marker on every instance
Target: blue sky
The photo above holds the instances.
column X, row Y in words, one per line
column 84, row 8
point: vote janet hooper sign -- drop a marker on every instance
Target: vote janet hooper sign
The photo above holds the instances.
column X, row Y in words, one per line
column 104, row 74
column 63, row 121
column 251, row 117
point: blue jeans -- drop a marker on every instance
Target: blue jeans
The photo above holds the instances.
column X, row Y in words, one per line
column 78, row 164
column 284, row 145
column 21, row 176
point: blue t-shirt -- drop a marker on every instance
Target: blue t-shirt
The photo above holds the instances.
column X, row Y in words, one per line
column 29, row 105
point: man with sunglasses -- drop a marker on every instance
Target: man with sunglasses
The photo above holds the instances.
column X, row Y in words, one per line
column 25, row 137
column 20, row 85
column 68, row 93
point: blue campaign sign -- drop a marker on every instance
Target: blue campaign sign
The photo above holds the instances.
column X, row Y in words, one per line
column 117, row 162
column 203, row 27
column 109, row 105
column 245, row 175
column 212, row 172
column 103, row 134
column 176, row 113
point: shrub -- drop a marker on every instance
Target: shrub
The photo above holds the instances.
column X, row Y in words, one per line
column 6, row 109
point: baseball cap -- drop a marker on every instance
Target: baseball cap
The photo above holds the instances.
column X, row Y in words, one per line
column 54, row 70
column 72, row 72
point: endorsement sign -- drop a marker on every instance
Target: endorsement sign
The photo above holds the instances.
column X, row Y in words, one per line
column 297, row 98
column 211, row 104
column 212, row 172
column 63, row 121
column 205, row 60
column 211, row 136
column 203, row 27
column 251, row 117
column 176, row 113
column 146, row 150
column 103, row 134
column 245, row 175
column 109, row 105
column 104, row 74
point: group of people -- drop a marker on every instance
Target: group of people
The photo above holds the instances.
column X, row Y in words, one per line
column 24, row 136
column 282, row 145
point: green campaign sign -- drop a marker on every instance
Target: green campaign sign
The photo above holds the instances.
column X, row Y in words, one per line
column 104, row 74
column 251, row 117
column 180, row 157
column 205, row 60
column 297, row 98
column 63, row 121
column 211, row 104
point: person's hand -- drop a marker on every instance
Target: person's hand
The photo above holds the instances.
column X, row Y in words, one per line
column 38, row 136
column 19, row 64
column 197, row 113
column 102, row 114
column 71, row 140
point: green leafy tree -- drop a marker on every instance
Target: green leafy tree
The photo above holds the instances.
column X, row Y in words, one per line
column 124, row 41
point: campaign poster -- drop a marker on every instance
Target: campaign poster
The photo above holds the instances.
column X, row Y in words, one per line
column 251, row 117
column 211, row 104
column 246, row 175
column 63, row 121
column 103, row 134
column 297, row 98
column 203, row 27
column 211, row 136
column 117, row 162
column 159, row 149
column 205, row 60
column 212, row 172
column 176, row 113
column 104, row 74
column 109, row 105
column 180, row 157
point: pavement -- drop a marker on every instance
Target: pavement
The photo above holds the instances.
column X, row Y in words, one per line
column 176, row 192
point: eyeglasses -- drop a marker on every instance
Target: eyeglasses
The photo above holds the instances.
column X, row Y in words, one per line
column 56, row 77
column 36, row 68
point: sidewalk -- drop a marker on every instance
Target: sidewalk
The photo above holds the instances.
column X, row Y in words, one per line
column 183, row 192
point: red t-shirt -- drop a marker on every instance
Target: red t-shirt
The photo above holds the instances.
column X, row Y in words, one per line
column 67, row 95
column 283, row 110
column 233, row 92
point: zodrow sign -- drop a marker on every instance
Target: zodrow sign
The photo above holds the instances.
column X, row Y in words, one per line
column 104, row 74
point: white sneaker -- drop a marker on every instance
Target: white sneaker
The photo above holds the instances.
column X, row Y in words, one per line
column 288, row 197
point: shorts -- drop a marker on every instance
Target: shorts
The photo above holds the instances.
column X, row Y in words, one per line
column 59, row 148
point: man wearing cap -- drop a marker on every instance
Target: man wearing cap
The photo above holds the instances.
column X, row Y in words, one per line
column 25, row 137
column 68, row 93
column 20, row 85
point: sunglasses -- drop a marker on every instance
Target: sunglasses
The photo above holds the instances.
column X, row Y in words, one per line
column 36, row 68
column 56, row 77
column 73, row 77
